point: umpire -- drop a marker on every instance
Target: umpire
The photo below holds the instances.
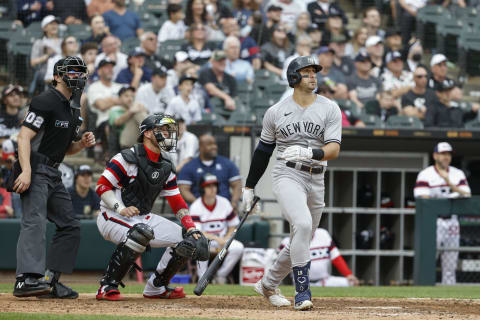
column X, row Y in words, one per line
column 48, row 133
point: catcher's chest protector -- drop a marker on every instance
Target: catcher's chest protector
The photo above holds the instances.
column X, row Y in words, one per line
column 149, row 182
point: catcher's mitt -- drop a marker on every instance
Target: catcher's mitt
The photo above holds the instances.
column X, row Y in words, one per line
column 195, row 249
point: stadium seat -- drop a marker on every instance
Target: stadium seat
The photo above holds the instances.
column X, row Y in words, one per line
column 79, row 31
column 404, row 122
column 212, row 118
column 264, row 78
column 427, row 19
column 167, row 49
column 469, row 50
column 275, row 91
column 242, row 116
column 473, row 125
column 35, row 30
column 260, row 113
column 262, row 103
column 129, row 45
column 448, row 30
column 349, row 105
column 156, row 7
column 7, row 28
column 371, row 120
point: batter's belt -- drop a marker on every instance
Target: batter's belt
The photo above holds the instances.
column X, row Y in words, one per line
column 303, row 167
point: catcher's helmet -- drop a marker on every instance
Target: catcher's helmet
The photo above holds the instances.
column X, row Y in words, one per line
column 167, row 143
column 207, row 179
column 75, row 66
column 293, row 76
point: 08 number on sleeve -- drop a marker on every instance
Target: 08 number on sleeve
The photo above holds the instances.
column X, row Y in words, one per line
column 35, row 120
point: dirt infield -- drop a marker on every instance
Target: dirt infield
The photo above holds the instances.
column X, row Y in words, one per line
column 225, row 307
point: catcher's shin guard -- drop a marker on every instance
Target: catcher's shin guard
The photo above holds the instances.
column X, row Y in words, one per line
column 138, row 238
column 173, row 266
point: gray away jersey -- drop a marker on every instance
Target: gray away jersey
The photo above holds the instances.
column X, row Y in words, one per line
column 288, row 124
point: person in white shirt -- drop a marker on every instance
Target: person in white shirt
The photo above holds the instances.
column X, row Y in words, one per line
column 442, row 181
column 323, row 253
column 240, row 69
column 183, row 105
column 290, row 11
column 69, row 48
column 395, row 78
column 111, row 51
column 156, row 95
column 174, row 28
column 187, row 146
column 180, row 64
column 303, row 47
column 215, row 217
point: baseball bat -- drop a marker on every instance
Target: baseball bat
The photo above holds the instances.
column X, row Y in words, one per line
column 213, row 267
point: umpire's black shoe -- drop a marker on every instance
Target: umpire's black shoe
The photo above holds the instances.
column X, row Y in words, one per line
column 60, row 291
column 30, row 287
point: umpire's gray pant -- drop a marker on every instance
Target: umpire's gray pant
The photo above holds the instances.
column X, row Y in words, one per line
column 47, row 198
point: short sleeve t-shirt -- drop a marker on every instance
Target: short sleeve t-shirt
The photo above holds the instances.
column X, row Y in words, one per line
column 228, row 84
column 124, row 26
column 84, row 207
column 366, row 89
column 419, row 101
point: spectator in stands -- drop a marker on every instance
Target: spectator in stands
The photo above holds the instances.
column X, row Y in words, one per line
column 384, row 107
column 290, row 11
column 301, row 25
column 416, row 101
column 122, row 22
column 407, row 20
column 124, row 119
column 302, row 48
column 187, row 146
column 243, row 10
column 441, row 113
column 218, row 83
column 89, row 51
column 209, row 161
column 372, row 21
column 375, row 49
column 438, row 65
column 174, row 28
column 98, row 7
column 6, row 210
column 316, row 35
column 199, row 93
column 86, row 203
column 357, row 43
column 341, row 62
column 136, row 73
column 43, row 49
column 10, row 117
column 320, row 10
column 156, row 95
column 240, row 69
column 275, row 51
column 99, row 30
column 217, row 12
column 263, row 30
column 335, row 77
column 362, row 87
column 183, row 106
column 29, row 11
column 71, row 11
column 249, row 50
column 334, row 27
column 195, row 13
column 198, row 49
column 148, row 46
column 393, row 40
column 395, row 78
column 180, row 64
column 414, row 56
column 214, row 207
column 69, row 47
column 111, row 51
column 102, row 95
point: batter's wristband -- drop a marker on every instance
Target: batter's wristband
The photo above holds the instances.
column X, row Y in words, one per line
column 187, row 222
column 318, row 154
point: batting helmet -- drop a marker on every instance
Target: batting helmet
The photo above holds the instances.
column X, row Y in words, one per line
column 206, row 180
column 167, row 143
column 293, row 75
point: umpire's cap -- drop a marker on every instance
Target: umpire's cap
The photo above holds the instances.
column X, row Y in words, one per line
column 293, row 75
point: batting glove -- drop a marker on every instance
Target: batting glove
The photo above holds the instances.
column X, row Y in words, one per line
column 247, row 198
column 296, row 153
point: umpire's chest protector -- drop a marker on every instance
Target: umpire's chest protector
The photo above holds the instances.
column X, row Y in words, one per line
column 149, row 182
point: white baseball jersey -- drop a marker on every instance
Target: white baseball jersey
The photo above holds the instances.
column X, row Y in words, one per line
column 430, row 183
column 322, row 251
column 214, row 220
column 288, row 124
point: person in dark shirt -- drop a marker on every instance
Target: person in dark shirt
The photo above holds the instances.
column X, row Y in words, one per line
column 136, row 73
column 320, row 10
column 29, row 11
column 71, row 11
column 416, row 101
column 10, row 117
column 441, row 113
column 263, row 28
column 218, row 83
column 198, row 49
column 341, row 62
column 49, row 132
column 99, row 30
column 276, row 51
column 384, row 107
column 86, row 202
column 363, row 87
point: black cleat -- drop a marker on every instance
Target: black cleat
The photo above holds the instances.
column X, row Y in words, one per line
column 60, row 291
column 30, row 287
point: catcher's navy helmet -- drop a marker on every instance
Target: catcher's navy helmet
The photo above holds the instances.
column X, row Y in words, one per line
column 293, row 75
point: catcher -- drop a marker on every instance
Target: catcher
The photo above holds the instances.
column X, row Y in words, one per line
column 128, row 187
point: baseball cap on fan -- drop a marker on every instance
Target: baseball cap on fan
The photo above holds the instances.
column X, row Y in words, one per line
column 438, row 58
column 372, row 41
column 443, row 147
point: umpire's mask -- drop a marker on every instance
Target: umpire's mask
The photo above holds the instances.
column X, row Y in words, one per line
column 73, row 71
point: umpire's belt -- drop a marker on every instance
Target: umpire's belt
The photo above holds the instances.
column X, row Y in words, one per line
column 43, row 159
column 302, row 167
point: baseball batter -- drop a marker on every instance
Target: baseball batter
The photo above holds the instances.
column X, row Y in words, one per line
column 323, row 251
column 443, row 181
column 307, row 130
column 215, row 217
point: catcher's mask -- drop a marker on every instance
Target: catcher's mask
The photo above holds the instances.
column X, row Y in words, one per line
column 73, row 71
column 164, row 128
